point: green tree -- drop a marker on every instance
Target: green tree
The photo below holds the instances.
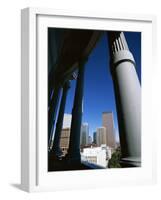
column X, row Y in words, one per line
column 114, row 162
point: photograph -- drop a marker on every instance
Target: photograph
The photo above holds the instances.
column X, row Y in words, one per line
column 94, row 99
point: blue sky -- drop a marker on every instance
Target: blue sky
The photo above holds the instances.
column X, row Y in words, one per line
column 98, row 86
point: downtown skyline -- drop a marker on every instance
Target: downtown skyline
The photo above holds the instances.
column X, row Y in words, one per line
column 98, row 87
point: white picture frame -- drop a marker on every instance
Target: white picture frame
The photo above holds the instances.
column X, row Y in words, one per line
column 33, row 174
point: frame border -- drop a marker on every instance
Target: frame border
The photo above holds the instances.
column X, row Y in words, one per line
column 29, row 83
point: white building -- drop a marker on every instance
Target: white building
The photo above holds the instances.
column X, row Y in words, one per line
column 97, row 155
column 67, row 120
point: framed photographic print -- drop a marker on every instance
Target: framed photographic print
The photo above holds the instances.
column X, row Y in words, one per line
column 86, row 108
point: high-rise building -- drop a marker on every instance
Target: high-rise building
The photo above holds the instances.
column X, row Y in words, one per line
column 94, row 137
column 84, row 134
column 89, row 139
column 65, row 133
column 67, row 120
column 64, row 140
column 108, row 122
column 101, row 136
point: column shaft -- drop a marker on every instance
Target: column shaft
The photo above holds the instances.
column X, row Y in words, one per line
column 52, row 113
column 74, row 145
column 56, row 144
column 128, row 99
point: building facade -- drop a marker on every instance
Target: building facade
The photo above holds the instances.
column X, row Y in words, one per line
column 108, row 123
column 84, row 134
column 67, row 120
column 89, row 139
column 64, row 140
column 97, row 155
column 94, row 137
column 101, row 136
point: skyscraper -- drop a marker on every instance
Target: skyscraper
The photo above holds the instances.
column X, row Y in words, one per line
column 67, row 120
column 84, row 134
column 65, row 133
column 89, row 139
column 101, row 136
column 64, row 140
column 107, row 121
column 94, row 137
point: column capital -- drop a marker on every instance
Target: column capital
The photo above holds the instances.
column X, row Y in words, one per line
column 119, row 50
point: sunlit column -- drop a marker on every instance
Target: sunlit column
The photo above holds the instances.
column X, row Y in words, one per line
column 128, row 98
column 56, row 144
column 52, row 113
column 74, row 145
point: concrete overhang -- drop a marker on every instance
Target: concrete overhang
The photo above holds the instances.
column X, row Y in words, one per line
column 77, row 46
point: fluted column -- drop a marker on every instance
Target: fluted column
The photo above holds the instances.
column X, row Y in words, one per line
column 128, row 99
column 56, row 145
column 52, row 113
column 74, row 144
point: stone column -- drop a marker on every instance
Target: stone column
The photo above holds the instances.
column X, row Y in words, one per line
column 73, row 155
column 56, row 145
column 128, row 99
column 52, row 113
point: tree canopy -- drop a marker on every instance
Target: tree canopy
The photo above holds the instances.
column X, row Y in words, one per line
column 114, row 162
